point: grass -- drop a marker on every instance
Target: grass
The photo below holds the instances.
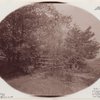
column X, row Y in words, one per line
column 57, row 82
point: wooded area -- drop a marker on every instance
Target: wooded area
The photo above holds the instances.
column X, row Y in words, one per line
column 38, row 36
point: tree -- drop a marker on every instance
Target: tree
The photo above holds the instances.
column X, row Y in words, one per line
column 24, row 33
column 17, row 41
column 79, row 46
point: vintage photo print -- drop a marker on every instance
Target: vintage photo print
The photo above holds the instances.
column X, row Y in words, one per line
column 49, row 49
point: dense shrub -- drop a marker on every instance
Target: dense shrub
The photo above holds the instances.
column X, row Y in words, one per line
column 80, row 46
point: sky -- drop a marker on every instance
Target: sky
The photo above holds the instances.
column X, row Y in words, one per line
column 82, row 18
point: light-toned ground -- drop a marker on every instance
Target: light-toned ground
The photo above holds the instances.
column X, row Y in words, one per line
column 42, row 84
column 38, row 84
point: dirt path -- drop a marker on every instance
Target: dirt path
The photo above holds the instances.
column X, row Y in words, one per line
column 39, row 85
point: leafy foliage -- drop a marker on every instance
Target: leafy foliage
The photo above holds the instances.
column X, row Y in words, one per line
column 25, row 33
column 79, row 46
column 39, row 29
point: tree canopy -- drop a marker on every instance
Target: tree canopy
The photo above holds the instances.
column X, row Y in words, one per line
column 80, row 45
column 39, row 29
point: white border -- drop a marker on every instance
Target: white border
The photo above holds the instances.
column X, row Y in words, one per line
column 7, row 6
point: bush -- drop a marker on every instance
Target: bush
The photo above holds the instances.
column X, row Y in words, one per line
column 79, row 47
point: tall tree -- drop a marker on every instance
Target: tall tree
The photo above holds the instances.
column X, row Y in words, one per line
column 30, row 30
column 80, row 45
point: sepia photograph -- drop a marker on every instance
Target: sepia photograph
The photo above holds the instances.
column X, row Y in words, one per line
column 50, row 49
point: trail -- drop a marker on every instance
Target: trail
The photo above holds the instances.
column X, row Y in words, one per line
column 39, row 85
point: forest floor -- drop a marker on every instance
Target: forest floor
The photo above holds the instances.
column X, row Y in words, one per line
column 41, row 84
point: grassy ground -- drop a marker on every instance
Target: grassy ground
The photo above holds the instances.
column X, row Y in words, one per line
column 43, row 84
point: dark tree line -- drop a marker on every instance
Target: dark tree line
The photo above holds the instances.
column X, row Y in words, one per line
column 33, row 30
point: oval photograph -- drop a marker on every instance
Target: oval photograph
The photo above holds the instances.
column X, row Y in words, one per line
column 50, row 49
